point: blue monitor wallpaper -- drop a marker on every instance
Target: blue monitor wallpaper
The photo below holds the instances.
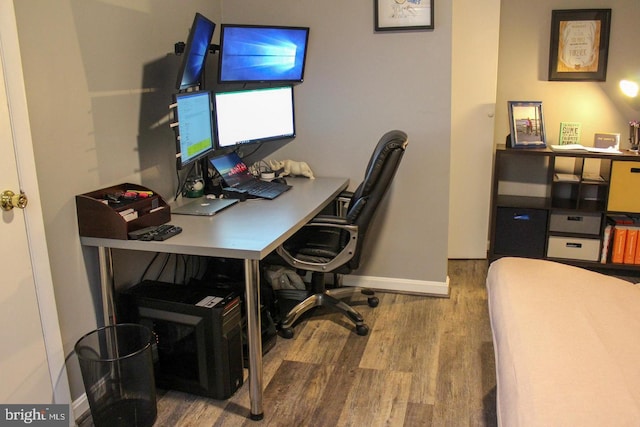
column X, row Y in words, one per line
column 262, row 54
column 195, row 54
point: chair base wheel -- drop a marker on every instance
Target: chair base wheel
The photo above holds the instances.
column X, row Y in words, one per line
column 286, row 333
column 373, row 301
column 362, row 330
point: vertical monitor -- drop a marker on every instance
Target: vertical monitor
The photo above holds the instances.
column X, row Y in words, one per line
column 252, row 53
column 258, row 115
column 190, row 73
column 195, row 126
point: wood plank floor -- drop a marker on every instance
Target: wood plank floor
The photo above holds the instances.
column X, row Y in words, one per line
column 426, row 362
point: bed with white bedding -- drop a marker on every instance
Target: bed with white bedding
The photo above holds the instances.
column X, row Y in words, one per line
column 567, row 345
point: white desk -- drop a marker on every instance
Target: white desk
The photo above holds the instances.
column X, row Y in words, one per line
column 248, row 230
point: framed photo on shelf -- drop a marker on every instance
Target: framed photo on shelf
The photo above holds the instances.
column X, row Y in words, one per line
column 579, row 44
column 395, row 15
column 526, row 123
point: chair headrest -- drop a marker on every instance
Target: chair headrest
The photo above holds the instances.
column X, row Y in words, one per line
column 394, row 141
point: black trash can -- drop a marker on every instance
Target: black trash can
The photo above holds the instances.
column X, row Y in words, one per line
column 117, row 371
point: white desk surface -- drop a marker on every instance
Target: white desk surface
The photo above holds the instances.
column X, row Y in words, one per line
column 247, row 230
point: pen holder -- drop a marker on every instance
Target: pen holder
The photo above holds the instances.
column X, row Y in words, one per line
column 102, row 213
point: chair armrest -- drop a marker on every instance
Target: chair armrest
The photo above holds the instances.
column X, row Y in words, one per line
column 343, row 256
column 328, row 220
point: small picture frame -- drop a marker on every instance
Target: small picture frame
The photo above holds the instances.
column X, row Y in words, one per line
column 579, row 45
column 526, row 122
column 607, row 140
column 397, row 15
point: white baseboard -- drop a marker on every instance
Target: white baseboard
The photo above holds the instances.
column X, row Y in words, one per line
column 422, row 287
column 80, row 406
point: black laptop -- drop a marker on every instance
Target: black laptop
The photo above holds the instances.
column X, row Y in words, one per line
column 235, row 174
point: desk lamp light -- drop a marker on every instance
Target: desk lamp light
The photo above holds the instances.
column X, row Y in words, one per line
column 629, row 88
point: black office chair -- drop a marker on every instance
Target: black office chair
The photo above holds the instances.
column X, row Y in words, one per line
column 334, row 244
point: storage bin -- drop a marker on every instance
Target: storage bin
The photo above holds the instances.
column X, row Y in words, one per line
column 520, row 232
column 624, row 191
column 583, row 249
column 572, row 222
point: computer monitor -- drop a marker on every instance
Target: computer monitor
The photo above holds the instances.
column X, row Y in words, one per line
column 195, row 126
column 190, row 73
column 257, row 115
column 258, row 53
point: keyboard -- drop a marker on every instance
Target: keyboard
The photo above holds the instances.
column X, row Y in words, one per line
column 264, row 189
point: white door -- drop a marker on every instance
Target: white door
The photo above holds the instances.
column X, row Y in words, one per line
column 31, row 357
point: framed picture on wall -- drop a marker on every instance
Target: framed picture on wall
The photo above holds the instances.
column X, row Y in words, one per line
column 395, row 15
column 526, row 123
column 579, row 44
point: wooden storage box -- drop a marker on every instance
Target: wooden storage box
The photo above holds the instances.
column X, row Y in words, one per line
column 98, row 216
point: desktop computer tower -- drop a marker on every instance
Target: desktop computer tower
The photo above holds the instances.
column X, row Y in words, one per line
column 199, row 335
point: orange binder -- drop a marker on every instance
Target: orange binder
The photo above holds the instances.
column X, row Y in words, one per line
column 636, row 259
column 630, row 245
column 619, row 240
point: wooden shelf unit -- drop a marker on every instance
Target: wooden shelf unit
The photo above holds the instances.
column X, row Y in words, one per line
column 554, row 204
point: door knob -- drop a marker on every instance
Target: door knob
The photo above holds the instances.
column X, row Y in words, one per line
column 10, row 200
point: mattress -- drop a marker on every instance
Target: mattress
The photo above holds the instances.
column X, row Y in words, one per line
column 567, row 345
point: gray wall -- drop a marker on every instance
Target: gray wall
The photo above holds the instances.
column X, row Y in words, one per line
column 359, row 84
column 99, row 75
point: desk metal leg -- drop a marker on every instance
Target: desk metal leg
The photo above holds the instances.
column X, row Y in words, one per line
column 254, row 336
column 254, row 329
column 107, row 285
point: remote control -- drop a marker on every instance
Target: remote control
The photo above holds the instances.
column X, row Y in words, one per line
column 168, row 233
column 135, row 235
column 150, row 235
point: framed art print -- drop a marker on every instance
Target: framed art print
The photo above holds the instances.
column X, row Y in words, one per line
column 579, row 44
column 395, row 15
column 526, row 123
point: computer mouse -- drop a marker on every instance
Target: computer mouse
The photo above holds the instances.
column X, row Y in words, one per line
column 280, row 181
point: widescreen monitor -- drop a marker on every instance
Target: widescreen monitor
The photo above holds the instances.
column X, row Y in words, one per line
column 190, row 73
column 257, row 115
column 253, row 53
column 195, row 126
